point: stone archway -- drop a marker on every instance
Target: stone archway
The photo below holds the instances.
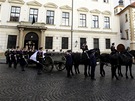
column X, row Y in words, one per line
column 31, row 41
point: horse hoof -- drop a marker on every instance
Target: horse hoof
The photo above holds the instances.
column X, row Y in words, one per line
column 126, row 77
column 132, row 77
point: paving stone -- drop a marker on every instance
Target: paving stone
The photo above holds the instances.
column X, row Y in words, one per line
column 17, row 85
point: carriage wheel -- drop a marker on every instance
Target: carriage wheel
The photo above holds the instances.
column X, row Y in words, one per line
column 48, row 64
column 61, row 65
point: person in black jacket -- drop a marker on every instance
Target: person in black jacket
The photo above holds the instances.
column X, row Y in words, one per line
column 113, row 50
column 69, row 63
column 84, row 47
column 22, row 59
column 39, row 58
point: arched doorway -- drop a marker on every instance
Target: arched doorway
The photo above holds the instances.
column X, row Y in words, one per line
column 31, row 41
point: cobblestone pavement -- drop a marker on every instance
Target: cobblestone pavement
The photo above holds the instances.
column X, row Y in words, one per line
column 17, row 85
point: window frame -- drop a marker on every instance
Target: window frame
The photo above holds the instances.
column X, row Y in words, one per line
column 64, row 42
column 95, row 21
column 50, row 17
column 48, row 42
column 106, row 22
column 82, row 20
column 82, row 41
column 33, row 14
column 15, row 13
column 96, row 42
column 65, row 19
column 108, row 43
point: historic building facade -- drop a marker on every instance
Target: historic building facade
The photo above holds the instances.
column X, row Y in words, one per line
column 127, row 22
column 65, row 24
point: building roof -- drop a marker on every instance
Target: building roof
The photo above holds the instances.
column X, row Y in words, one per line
column 132, row 5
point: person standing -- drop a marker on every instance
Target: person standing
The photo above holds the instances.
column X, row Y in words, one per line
column 22, row 60
column 69, row 63
column 7, row 56
column 39, row 58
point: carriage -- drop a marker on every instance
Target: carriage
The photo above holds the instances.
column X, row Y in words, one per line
column 51, row 60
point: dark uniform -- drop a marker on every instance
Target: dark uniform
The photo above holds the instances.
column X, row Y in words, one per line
column 39, row 58
column 22, row 60
column 113, row 50
column 12, row 59
column 93, row 65
column 69, row 63
column 84, row 47
column 7, row 56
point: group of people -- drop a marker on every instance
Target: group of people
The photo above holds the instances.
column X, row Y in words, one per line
column 20, row 56
column 17, row 56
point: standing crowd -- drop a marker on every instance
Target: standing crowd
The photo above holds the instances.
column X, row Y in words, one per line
column 17, row 56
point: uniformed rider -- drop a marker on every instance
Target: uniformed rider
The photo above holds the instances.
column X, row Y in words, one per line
column 39, row 58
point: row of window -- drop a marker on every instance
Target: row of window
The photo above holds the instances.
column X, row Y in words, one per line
column 15, row 14
column 64, row 43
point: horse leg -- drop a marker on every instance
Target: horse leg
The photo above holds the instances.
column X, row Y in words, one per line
column 93, row 72
column 126, row 72
column 113, row 69
column 75, row 68
column 119, row 71
column 102, row 72
column 89, row 69
column 85, row 70
column 71, row 70
column 130, row 68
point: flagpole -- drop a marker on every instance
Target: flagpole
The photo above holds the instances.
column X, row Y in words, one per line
column 72, row 27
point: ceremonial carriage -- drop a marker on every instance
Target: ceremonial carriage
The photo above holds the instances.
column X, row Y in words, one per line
column 51, row 60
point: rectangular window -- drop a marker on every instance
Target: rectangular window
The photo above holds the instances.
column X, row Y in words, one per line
column 15, row 13
column 48, row 42
column 50, row 17
column 107, row 42
column 106, row 22
column 95, row 22
column 65, row 18
column 82, row 41
column 106, row 1
column 96, row 43
column 64, row 43
column 126, row 17
column 83, row 20
column 127, row 36
column 33, row 14
column 11, row 41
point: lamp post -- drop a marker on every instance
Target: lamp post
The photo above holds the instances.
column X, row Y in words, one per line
column 72, row 27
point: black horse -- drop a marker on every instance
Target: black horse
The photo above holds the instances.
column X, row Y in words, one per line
column 112, row 59
column 88, row 59
column 116, row 60
column 126, row 60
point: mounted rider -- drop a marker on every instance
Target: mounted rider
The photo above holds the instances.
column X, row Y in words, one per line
column 113, row 50
column 84, row 47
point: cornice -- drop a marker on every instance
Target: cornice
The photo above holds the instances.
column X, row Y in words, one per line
column 65, row 7
column 34, row 3
column 84, row 31
column 95, row 11
column 50, row 5
column 82, row 9
column 16, row 1
column 106, row 13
